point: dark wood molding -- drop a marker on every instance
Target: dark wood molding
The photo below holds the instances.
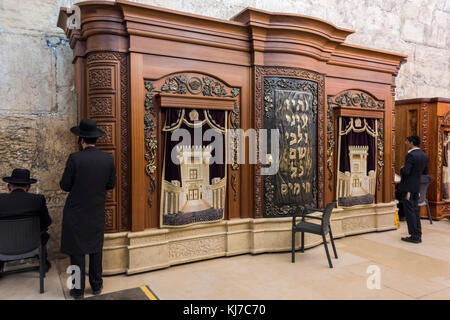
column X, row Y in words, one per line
column 167, row 100
column 353, row 112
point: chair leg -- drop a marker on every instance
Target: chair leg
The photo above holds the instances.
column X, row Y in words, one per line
column 326, row 250
column 428, row 211
column 332, row 244
column 293, row 245
column 45, row 260
column 41, row 269
column 303, row 242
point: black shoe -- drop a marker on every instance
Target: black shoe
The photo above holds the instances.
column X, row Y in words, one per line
column 75, row 295
column 98, row 291
column 402, row 219
column 412, row 240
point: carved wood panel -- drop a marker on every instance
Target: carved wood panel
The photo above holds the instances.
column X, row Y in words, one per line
column 102, row 105
column 293, row 73
column 109, row 138
column 290, row 107
column 101, row 78
column 110, row 218
column 108, row 82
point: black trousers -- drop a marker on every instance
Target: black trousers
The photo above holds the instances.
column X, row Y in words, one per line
column 95, row 270
column 412, row 215
column 400, row 196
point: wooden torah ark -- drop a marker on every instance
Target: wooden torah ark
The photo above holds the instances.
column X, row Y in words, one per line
column 428, row 118
column 132, row 61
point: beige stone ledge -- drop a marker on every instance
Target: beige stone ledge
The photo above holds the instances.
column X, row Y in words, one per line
column 136, row 252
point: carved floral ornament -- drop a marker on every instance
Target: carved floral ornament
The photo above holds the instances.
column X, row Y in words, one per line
column 193, row 85
column 446, row 119
column 355, row 99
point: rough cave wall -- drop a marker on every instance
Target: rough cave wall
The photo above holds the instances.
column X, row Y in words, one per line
column 37, row 102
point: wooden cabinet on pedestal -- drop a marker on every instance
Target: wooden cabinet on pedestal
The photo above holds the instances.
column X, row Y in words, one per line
column 430, row 120
column 274, row 85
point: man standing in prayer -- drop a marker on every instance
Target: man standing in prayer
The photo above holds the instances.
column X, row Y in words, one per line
column 89, row 173
column 416, row 165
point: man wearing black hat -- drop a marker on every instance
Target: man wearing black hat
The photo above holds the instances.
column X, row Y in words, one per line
column 19, row 203
column 89, row 173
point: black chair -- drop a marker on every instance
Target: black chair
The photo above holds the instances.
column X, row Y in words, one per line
column 21, row 239
column 320, row 229
column 424, row 183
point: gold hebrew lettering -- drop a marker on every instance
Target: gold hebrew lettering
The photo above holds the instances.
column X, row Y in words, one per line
column 293, row 172
column 284, row 189
column 294, row 139
column 299, row 133
column 305, row 120
column 296, row 188
column 307, row 105
column 301, row 152
column 292, row 154
column 302, row 171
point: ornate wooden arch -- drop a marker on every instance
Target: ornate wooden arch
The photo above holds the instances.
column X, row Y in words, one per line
column 353, row 102
column 186, row 83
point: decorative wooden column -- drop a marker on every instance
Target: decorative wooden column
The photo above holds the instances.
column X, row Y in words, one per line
column 101, row 62
column 107, row 103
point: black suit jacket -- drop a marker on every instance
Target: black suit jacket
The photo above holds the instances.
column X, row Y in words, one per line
column 87, row 176
column 20, row 204
column 416, row 164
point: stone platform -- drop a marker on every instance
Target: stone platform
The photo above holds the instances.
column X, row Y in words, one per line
column 135, row 252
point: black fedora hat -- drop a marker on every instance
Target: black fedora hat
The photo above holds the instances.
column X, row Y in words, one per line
column 20, row 176
column 87, row 129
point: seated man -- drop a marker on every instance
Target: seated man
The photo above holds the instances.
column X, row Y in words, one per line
column 19, row 203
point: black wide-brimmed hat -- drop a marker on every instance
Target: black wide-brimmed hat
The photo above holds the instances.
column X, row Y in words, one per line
column 87, row 129
column 20, row 176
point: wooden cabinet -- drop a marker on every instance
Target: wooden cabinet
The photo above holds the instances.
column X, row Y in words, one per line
column 133, row 61
column 430, row 120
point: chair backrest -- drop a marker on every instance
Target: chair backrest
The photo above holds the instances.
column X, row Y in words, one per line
column 18, row 236
column 424, row 183
column 327, row 214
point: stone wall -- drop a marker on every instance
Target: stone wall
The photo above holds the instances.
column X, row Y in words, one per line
column 37, row 102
